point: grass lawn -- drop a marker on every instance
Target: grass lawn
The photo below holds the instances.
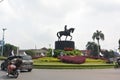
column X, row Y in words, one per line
column 54, row 63
column 71, row 66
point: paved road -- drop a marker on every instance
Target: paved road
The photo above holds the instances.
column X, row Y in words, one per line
column 63, row 74
column 55, row 74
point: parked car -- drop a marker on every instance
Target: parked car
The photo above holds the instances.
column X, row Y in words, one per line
column 26, row 65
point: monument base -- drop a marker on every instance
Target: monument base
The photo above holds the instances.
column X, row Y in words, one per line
column 65, row 45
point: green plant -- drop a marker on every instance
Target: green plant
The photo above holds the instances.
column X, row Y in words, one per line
column 2, row 58
column 46, row 59
column 95, row 61
column 49, row 53
column 57, row 53
column 30, row 52
column 72, row 53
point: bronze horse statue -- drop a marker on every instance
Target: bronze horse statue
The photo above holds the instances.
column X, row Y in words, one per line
column 65, row 33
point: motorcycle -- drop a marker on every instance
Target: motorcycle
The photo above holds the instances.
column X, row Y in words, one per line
column 12, row 71
column 117, row 63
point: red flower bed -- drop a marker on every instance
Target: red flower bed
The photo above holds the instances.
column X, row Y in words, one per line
column 73, row 59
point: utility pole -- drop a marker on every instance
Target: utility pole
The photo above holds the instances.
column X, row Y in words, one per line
column 3, row 42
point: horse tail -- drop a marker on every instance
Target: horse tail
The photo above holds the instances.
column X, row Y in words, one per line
column 58, row 35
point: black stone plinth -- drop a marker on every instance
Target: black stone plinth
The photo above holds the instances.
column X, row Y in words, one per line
column 62, row 45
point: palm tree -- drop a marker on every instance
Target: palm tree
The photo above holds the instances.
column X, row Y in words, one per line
column 98, row 35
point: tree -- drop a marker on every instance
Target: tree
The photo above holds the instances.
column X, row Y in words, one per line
column 30, row 52
column 108, row 54
column 8, row 48
column 93, row 47
column 119, row 44
column 49, row 52
column 98, row 35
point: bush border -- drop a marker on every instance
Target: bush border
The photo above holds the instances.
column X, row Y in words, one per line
column 74, row 66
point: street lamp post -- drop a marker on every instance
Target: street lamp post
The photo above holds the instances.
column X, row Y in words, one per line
column 3, row 42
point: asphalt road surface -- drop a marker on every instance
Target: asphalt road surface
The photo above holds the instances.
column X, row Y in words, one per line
column 66, row 74
column 77, row 74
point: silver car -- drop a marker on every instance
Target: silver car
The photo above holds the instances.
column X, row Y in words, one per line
column 26, row 65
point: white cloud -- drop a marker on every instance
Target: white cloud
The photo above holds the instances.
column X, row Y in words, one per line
column 36, row 22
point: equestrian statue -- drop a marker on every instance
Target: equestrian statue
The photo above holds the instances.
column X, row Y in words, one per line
column 66, row 33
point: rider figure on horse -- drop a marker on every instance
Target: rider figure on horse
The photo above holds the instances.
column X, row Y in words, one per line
column 65, row 28
column 66, row 33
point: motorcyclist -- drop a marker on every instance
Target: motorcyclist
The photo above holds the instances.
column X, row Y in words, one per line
column 18, row 63
column 118, row 61
column 14, row 66
column 10, row 67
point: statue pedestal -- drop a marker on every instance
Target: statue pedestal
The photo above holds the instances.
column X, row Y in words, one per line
column 65, row 45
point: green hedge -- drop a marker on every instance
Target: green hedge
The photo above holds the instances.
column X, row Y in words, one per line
column 2, row 58
column 89, row 60
column 46, row 59
column 73, row 66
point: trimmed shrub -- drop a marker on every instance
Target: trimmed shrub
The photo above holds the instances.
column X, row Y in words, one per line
column 73, row 59
column 70, row 53
column 46, row 59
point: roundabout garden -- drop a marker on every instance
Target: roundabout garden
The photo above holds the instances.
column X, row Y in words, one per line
column 70, row 62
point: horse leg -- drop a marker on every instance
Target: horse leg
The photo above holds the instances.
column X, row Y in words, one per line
column 59, row 37
column 71, row 37
column 66, row 38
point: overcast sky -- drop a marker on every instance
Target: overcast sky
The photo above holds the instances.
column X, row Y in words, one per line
column 35, row 23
